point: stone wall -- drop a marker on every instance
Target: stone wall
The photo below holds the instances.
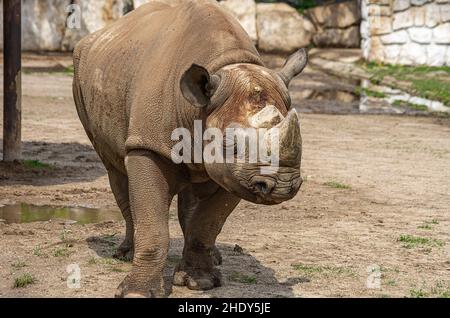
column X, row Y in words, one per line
column 337, row 25
column 274, row 27
column 409, row 32
column 44, row 25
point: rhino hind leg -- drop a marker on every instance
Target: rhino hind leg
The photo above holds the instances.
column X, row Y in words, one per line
column 203, row 210
column 119, row 186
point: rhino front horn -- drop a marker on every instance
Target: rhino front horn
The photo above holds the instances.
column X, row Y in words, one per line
column 289, row 139
column 294, row 65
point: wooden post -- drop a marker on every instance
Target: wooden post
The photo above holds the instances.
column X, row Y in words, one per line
column 12, row 90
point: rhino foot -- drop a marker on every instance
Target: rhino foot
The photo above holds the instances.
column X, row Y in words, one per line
column 197, row 279
column 133, row 288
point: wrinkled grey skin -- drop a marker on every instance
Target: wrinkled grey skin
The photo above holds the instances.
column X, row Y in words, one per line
column 161, row 67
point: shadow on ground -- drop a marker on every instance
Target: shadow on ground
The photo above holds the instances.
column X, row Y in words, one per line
column 47, row 163
column 243, row 274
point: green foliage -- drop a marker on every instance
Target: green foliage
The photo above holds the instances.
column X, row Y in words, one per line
column 35, row 164
column 69, row 70
column 368, row 92
column 399, row 103
column 62, row 252
column 410, row 241
column 417, row 293
column 337, row 185
column 242, row 278
column 426, row 81
column 18, row 265
column 300, row 5
column 322, row 269
column 24, row 280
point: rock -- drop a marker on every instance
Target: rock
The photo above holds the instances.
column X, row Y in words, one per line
column 376, row 49
column 441, row 34
column 375, row 10
column 403, row 19
column 281, row 28
column 419, row 16
column 400, row 5
column 398, row 37
column 349, row 38
column 245, row 12
column 95, row 15
column 418, row 2
column 436, row 54
column 448, row 56
column 43, row 24
column 380, row 25
column 413, row 54
column 420, row 35
column 432, row 14
column 380, row 2
column 238, row 249
column 445, row 13
column 340, row 15
column 391, row 53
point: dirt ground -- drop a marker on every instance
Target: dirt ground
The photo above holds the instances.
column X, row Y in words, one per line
column 370, row 182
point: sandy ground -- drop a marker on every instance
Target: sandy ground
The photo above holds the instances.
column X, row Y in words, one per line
column 323, row 243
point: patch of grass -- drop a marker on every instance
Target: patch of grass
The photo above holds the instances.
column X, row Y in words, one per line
column 410, row 241
column 37, row 251
column 322, row 269
column 36, row 164
column 24, row 280
column 337, row 185
column 69, row 70
column 427, row 225
column 117, row 270
column 423, row 79
column 399, row 103
column 441, row 289
column 417, row 293
column 18, row 264
column 62, row 252
column 391, row 283
column 242, row 278
column 432, row 89
column 370, row 93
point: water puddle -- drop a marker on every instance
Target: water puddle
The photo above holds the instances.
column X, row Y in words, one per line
column 25, row 213
column 323, row 93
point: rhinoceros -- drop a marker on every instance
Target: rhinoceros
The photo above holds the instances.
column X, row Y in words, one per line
column 162, row 67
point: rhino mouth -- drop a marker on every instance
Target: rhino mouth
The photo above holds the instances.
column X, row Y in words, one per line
column 266, row 189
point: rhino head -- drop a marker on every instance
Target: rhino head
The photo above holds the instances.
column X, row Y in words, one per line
column 252, row 96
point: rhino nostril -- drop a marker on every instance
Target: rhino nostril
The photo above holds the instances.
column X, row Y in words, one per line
column 263, row 187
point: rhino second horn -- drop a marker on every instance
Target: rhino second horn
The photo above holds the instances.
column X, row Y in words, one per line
column 290, row 139
column 268, row 117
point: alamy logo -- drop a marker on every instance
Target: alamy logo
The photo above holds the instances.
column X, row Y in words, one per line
column 73, row 20
column 238, row 145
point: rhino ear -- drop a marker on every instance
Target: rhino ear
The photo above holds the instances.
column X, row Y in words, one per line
column 294, row 65
column 197, row 86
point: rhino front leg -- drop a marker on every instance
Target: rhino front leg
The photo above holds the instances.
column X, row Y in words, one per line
column 150, row 190
column 119, row 186
column 203, row 210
